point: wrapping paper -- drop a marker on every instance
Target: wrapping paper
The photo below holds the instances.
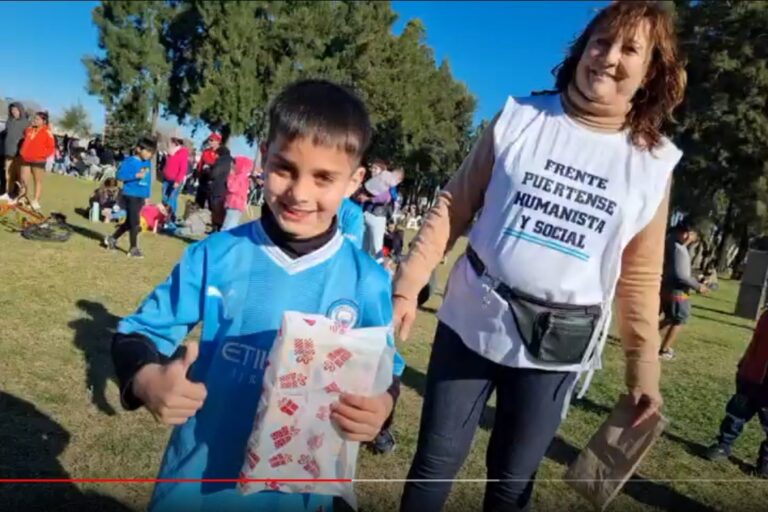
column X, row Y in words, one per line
column 613, row 454
column 312, row 360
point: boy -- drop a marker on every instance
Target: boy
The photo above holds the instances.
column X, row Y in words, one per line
column 677, row 282
column 317, row 135
column 751, row 399
column 134, row 172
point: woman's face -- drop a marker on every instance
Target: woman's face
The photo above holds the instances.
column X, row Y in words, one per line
column 611, row 71
column 37, row 121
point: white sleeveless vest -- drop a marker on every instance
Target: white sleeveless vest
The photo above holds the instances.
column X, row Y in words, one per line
column 562, row 204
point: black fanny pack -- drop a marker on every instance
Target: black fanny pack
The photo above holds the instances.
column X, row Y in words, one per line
column 552, row 332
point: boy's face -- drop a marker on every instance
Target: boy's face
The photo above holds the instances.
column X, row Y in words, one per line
column 304, row 184
column 145, row 154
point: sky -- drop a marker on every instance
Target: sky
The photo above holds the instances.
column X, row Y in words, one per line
column 497, row 49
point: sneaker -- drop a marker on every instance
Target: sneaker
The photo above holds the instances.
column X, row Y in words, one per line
column 35, row 205
column 667, row 355
column 5, row 198
column 135, row 253
column 718, row 451
column 110, row 243
column 384, row 443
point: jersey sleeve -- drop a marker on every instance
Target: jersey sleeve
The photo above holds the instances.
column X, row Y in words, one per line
column 376, row 310
column 173, row 309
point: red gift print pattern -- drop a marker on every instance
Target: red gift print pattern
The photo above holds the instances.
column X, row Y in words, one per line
column 304, row 349
column 339, row 328
column 281, row 459
column 283, row 435
column 252, row 458
column 310, row 465
column 310, row 322
column 315, row 442
column 272, row 485
column 332, row 388
column 288, row 406
column 293, row 380
column 336, row 359
column 322, row 413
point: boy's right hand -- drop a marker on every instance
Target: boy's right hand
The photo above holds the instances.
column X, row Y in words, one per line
column 403, row 316
column 167, row 393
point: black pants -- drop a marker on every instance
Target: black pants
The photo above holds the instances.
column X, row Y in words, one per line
column 133, row 206
column 459, row 383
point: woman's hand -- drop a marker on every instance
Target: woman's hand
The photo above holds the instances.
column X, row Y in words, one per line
column 403, row 316
column 359, row 417
column 647, row 404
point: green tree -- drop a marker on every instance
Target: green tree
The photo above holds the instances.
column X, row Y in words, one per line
column 75, row 119
column 724, row 119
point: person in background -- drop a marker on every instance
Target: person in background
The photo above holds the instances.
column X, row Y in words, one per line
column 351, row 223
column 393, row 241
column 208, row 157
column 15, row 126
column 676, row 284
column 375, row 208
column 750, row 400
column 218, row 186
column 134, row 173
column 105, row 198
column 38, row 145
column 174, row 172
column 238, row 183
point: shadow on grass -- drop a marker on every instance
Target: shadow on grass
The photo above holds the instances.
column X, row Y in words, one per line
column 641, row 490
column 695, row 314
column 87, row 233
column 93, row 336
column 30, row 444
column 713, row 310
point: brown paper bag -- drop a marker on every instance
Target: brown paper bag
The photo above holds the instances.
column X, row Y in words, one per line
column 613, row 454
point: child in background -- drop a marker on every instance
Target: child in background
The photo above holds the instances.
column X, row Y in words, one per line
column 351, row 222
column 318, row 133
column 751, row 399
column 153, row 216
column 174, row 173
column 104, row 200
column 238, row 183
column 134, row 173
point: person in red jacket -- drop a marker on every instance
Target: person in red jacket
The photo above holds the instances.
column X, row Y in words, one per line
column 751, row 398
column 207, row 159
column 174, row 173
column 38, row 145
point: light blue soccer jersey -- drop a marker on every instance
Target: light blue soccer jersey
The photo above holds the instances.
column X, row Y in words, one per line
column 351, row 222
column 239, row 283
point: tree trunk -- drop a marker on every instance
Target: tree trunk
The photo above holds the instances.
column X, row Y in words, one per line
column 226, row 133
column 743, row 249
column 153, row 171
column 725, row 239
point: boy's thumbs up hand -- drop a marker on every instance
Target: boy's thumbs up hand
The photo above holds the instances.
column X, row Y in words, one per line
column 167, row 392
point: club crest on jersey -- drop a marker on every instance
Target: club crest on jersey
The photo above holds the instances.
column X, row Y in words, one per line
column 344, row 312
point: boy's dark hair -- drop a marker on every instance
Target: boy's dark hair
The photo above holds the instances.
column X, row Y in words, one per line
column 684, row 226
column 329, row 113
column 147, row 143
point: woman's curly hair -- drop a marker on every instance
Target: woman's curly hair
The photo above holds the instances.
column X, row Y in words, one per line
column 664, row 84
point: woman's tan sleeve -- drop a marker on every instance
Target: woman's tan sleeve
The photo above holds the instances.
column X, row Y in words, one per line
column 449, row 218
column 637, row 302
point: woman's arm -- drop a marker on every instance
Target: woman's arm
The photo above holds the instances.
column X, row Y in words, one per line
column 637, row 305
column 449, row 218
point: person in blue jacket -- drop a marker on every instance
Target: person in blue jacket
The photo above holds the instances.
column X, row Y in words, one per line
column 134, row 172
column 238, row 283
column 351, row 222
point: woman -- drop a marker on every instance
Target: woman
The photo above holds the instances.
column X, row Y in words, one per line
column 174, row 174
column 15, row 125
column 37, row 147
column 574, row 191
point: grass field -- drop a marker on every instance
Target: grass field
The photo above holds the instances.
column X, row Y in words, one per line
column 60, row 414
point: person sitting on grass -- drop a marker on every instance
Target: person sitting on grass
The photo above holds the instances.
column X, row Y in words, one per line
column 751, row 399
column 105, row 198
column 318, row 133
column 676, row 283
column 134, row 172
